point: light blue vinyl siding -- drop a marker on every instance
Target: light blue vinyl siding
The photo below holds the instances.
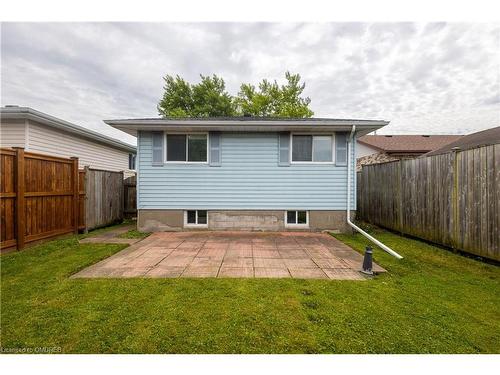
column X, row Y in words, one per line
column 249, row 178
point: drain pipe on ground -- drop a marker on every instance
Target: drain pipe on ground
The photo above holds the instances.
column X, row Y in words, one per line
column 349, row 167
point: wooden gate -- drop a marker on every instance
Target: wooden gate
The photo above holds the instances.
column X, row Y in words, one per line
column 130, row 196
column 104, row 198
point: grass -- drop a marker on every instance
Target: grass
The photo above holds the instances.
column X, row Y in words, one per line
column 433, row 301
column 133, row 233
column 102, row 230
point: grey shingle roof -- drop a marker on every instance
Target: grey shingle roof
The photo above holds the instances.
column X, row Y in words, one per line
column 473, row 140
column 407, row 143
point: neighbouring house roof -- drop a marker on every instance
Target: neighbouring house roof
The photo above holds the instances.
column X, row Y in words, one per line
column 473, row 140
column 26, row 113
column 407, row 143
column 245, row 123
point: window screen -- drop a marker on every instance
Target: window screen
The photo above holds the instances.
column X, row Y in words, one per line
column 157, row 138
column 284, row 149
column 341, row 148
column 302, row 148
column 176, row 147
column 322, row 148
column 291, row 217
column 197, row 147
column 215, row 150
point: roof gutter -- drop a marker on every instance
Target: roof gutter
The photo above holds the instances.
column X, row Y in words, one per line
column 354, row 226
column 243, row 122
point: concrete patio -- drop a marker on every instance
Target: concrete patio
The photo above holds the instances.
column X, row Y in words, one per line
column 298, row 255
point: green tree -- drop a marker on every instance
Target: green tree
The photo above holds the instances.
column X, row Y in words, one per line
column 205, row 99
column 274, row 100
column 209, row 98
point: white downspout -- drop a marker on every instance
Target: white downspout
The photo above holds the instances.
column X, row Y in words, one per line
column 371, row 238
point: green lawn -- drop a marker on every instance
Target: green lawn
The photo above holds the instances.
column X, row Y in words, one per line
column 433, row 301
column 133, row 233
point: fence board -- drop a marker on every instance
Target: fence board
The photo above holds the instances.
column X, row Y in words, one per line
column 7, row 189
column 451, row 199
column 104, row 197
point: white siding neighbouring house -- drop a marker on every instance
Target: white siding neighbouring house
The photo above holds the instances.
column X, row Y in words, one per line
column 12, row 133
column 365, row 150
column 58, row 143
column 41, row 133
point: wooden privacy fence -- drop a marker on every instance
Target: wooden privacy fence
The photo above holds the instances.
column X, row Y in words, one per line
column 451, row 199
column 44, row 196
column 104, row 197
column 40, row 197
column 130, row 196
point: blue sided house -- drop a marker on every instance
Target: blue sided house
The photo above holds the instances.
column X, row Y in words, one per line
column 245, row 173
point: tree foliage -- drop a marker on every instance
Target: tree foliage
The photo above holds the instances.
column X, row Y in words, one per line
column 205, row 99
column 209, row 98
column 274, row 100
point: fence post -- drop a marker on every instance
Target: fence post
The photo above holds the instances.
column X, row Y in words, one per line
column 400, row 196
column 20, row 220
column 454, row 199
column 122, row 191
column 76, row 195
column 86, row 200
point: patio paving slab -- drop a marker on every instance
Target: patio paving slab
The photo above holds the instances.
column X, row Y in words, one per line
column 271, row 272
column 206, row 271
column 165, row 271
column 307, row 273
column 269, row 263
column 303, row 255
column 236, row 272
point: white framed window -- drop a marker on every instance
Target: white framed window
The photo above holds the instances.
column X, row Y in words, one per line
column 312, row 148
column 186, row 148
column 297, row 219
column 196, row 218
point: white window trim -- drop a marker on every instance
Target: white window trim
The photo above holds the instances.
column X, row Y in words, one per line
column 312, row 162
column 305, row 226
column 187, row 145
column 190, row 225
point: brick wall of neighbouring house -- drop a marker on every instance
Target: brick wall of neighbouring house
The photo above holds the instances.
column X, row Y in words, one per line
column 373, row 159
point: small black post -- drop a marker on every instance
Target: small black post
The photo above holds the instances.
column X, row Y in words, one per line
column 367, row 261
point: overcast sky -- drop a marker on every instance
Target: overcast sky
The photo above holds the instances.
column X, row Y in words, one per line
column 424, row 78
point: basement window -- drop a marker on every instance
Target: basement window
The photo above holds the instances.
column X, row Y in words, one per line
column 196, row 218
column 297, row 218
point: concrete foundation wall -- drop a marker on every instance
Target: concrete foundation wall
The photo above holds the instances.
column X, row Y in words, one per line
column 173, row 220
column 331, row 220
column 246, row 220
column 160, row 220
